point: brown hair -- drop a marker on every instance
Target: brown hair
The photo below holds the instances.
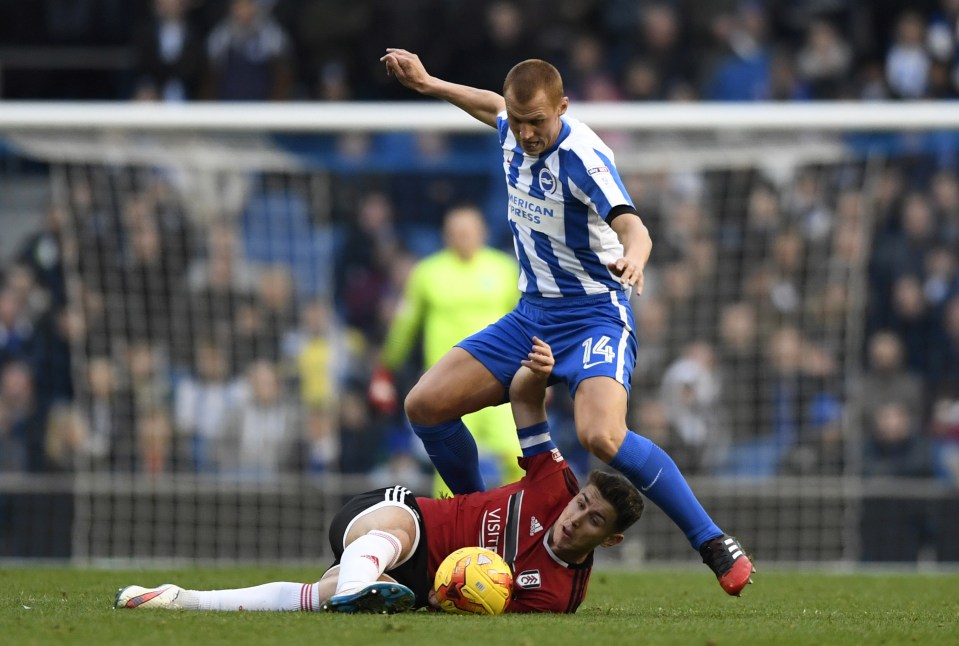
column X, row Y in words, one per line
column 527, row 78
column 621, row 494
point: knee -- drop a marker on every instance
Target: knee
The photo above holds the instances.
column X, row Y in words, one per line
column 604, row 443
column 422, row 408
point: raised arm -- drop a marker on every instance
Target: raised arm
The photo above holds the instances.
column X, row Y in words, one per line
column 482, row 105
column 527, row 392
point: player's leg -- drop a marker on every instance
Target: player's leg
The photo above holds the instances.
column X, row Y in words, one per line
column 455, row 385
column 471, row 376
column 375, row 533
column 599, row 407
column 276, row 596
column 381, row 515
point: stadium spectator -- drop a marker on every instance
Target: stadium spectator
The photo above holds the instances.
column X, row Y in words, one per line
column 169, row 54
column 13, row 450
column 321, row 355
column 945, row 201
column 370, row 246
column 155, row 442
column 787, row 388
column 907, row 61
column 202, row 400
column 661, row 48
column 740, row 360
column 825, row 61
column 690, row 393
column 67, row 442
column 149, row 276
column 744, row 74
column 329, row 34
column 109, row 411
column 893, row 528
column 653, row 324
column 821, row 448
column 248, row 56
column 25, row 417
column 895, row 444
column 263, row 436
column 217, row 287
column 911, row 320
column 276, row 299
column 251, row 339
column 146, row 373
column 223, row 258
column 363, row 435
column 62, row 330
column 43, row 253
column 507, row 37
column 17, row 334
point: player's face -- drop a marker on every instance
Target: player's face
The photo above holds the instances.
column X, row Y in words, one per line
column 587, row 522
column 536, row 123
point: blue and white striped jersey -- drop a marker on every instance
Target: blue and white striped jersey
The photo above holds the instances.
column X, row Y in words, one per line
column 558, row 203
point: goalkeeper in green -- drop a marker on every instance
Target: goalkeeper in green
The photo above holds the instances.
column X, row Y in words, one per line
column 450, row 295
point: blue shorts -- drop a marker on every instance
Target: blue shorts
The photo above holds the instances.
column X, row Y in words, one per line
column 591, row 336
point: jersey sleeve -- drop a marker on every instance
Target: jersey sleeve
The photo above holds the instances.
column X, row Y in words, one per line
column 593, row 172
column 502, row 126
column 549, row 465
column 408, row 320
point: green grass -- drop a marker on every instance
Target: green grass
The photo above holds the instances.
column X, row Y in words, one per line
column 73, row 606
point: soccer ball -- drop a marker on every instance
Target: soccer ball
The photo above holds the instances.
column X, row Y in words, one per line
column 473, row 581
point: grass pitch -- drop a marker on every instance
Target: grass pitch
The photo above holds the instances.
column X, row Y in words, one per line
column 74, row 606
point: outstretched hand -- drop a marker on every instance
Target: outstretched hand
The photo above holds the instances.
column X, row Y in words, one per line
column 406, row 67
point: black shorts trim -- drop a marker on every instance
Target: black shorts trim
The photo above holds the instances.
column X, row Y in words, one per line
column 412, row 573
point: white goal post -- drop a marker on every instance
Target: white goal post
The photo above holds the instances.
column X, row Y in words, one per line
column 763, row 216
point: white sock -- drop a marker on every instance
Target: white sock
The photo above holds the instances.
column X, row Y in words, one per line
column 269, row 596
column 365, row 559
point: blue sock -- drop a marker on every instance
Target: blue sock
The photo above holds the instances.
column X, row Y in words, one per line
column 656, row 475
column 452, row 449
column 535, row 439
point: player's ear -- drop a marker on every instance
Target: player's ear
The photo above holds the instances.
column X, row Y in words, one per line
column 563, row 105
column 615, row 539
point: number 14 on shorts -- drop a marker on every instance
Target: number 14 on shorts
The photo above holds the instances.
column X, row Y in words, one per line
column 595, row 353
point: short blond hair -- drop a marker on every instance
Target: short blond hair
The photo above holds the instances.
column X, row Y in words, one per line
column 527, row 78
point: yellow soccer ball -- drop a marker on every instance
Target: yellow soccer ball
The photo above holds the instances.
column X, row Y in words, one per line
column 474, row 581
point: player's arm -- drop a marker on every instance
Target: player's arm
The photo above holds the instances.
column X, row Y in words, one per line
column 399, row 342
column 527, row 392
column 407, row 322
column 637, row 246
column 482, row 105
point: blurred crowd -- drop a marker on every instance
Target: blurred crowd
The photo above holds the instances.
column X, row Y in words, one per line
column 619, row 50
column 135, row 337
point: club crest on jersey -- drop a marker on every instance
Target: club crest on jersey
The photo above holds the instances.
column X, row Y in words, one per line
column 546, row 181
column 557, row 456
column 528, row 579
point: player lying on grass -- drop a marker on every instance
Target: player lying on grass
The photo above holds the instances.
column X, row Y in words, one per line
column 388, row 544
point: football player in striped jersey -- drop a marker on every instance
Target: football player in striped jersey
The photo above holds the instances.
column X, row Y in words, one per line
column 582, row 250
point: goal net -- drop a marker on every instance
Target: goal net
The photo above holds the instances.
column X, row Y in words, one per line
column 229, row 273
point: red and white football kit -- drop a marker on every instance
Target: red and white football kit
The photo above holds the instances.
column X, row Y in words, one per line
column 515, row 521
